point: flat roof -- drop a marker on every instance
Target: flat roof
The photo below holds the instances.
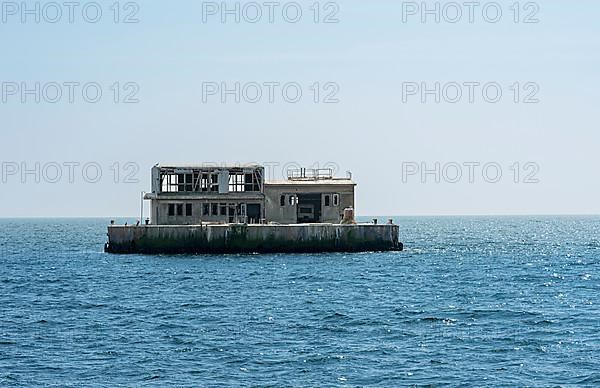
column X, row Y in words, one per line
column 209, row 165
column 309, row 182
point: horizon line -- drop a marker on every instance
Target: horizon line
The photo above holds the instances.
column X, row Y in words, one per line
column 357, row 216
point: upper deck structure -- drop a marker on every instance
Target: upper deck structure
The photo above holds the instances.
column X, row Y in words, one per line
column 191, row 195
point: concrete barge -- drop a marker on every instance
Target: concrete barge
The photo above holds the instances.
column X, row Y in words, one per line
column 234, row 209
column 243, row 238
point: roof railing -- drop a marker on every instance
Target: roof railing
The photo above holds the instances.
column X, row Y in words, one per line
column 309, row 173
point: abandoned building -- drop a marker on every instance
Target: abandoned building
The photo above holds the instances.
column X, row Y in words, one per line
column 233, row 209
column 194, row 195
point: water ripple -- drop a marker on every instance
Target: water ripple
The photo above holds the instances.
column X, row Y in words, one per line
column 480, row 301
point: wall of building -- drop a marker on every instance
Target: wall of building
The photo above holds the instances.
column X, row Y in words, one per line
column 274, row 212
column 288, row 213
column 219, row 211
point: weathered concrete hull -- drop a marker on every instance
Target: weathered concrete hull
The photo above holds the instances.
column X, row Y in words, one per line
column 238, row 238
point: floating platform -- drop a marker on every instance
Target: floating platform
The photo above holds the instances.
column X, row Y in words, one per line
column 243, row 238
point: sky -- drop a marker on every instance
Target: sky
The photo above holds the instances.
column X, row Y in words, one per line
column 444, row 109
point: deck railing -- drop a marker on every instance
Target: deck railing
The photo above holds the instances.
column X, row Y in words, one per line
column 309, row 173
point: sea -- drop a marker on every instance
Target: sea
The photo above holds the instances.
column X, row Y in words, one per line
column 472, row 301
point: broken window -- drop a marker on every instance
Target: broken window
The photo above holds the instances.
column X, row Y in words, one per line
column 179, row 209
column 196, row 179
column 170, row 183
column 252, row 182
column 237, row 182
column 205, row 182
column 188, row 209
column 171, row 210
column 189, row 182
column 185, row 182
column 174, row 183
column 180, row 182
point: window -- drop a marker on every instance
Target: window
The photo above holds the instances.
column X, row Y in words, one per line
column 240, row 181
column 171, row 210
column 206, row 209
column 189, row 182
column 205, row 182
column 293, row 200
column 188, row 209
column 170, row 183
column 174, row 183
column 214, row 182
column 179, row 209
column 196, row 181
column 336, row 200
column 282, row 200
column 251, row 183
column 237, row 183
column 223, row 209
column 185, row 182
column 327, row 200
column 215, row 209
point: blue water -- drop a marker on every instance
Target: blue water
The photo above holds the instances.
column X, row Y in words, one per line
column 472, row 301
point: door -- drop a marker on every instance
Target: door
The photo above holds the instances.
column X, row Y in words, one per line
column 253, row 213
column 309, row 208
